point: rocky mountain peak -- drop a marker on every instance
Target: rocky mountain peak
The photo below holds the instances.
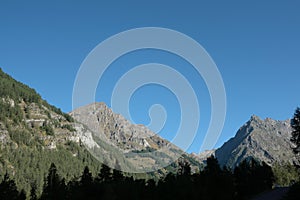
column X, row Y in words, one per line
column 266, row 140
column 30, row 126
column 115, row 129
column 134, row 147
column 255, row 118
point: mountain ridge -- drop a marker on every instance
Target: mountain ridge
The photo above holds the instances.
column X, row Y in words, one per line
column 34, row 134
column 265, row 140
column 135, row 143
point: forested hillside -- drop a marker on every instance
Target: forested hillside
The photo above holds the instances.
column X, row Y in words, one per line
column 247, row 180
column 34, row 134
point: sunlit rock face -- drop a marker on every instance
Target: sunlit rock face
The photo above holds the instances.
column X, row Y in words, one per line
column 265, row 140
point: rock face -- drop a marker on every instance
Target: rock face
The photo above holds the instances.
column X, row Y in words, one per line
column 115, row 129
column 266, row 140
column 112, row 139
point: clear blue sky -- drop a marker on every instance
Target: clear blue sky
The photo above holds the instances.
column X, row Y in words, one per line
column 255, row 44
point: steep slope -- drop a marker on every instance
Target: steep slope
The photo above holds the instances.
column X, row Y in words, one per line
column 33, row 134
column 265, row 140
column 134, row 148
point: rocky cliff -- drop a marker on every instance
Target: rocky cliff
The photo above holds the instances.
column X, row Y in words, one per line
column 119, row 143
column 265, row 140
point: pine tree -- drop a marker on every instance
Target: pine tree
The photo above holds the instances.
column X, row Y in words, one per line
column 295, row 123
column 184, row 168
column 8, row 189
column 117, row 175
column 104, row 175
column 22, row 195
column 86, row 178
column 212, row 166
column 251, row 174
column 54, row 187
column 33, row 192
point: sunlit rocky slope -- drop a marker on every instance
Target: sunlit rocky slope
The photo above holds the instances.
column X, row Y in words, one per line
column 265, row 140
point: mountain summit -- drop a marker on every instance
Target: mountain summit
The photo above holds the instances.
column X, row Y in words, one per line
column 265, row 140
column 119, row 143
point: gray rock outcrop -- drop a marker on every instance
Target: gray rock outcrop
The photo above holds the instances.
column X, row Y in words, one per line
column 265, row 140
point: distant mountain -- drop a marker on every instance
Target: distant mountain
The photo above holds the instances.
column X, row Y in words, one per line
column 264, row 140
column 133, row 147
column 202, row 157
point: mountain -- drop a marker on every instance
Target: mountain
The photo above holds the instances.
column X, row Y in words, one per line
column 34, row 134
column 202, row 157
column 264, row 140
column 120, row 144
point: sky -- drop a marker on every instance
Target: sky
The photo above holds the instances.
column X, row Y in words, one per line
column 255, row 45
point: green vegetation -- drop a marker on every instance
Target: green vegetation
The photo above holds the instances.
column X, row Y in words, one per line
column 69, row 127
column 31, row 164
column 212, row 183
column 147, row 150
column 295, row 123
column 252, row 174
column 47, row 128
column 8, row 112
column 17, row 91
column 192, row 161
column 28, row 127
column 8, row 190
column 285, row 174
column 294, row 192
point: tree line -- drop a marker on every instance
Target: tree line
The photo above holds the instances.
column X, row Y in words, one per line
column 214, row 182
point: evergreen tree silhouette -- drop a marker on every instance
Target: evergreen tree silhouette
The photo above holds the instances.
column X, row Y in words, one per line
column 87, row 186
column 212, row 166
column 184, row 168
column 294, row 192
column 86, row 178
column 54, row 187
column 104, row 175
column 117, row 175
column 150, row 188
column 33, row 195
column 252, row 178
column 8, row 189
column 295, row 123
column 22, row 195
column 215, row 183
